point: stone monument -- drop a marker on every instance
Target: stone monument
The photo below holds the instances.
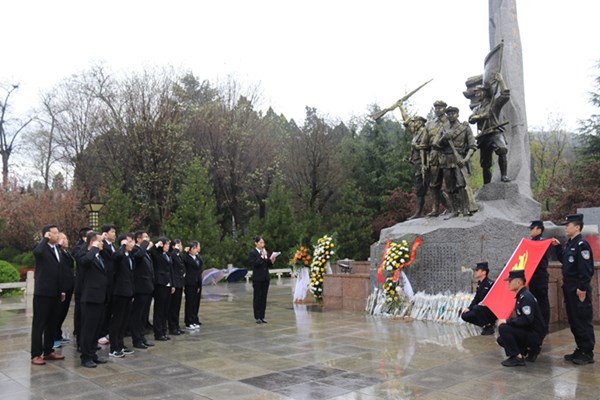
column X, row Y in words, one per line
column 451, row 247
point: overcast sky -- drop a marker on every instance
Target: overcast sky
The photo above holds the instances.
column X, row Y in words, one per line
column 337, row 56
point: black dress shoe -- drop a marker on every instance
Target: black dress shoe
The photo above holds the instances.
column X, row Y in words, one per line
column 513, row 361
column 263, row 321
column 161, row 338
column 258, row 321
column 148, row 344
column 168, row 337
column 174, row 333
column 181, row 331
column 100, row 361
column 88, row 364
column 140, row 346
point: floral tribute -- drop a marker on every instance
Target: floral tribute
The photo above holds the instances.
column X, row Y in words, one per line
column 301, row 258
column 396, row 256
column 321, row 256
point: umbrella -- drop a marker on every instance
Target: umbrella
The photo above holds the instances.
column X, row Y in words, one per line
column 211, row 276
column 237, row 274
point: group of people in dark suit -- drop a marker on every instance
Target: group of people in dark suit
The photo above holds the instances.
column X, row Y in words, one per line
column 522, row 335
column 114, row 283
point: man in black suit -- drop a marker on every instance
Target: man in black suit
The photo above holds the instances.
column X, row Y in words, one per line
column 178, row 281
column 143, row 287
column 260, row 263
column 47, row 296
column 193, row 284
column 122, row 295
column 163, row 286
column 93, row 300
column 67, row 271
column 109, row 235
column 79, row 251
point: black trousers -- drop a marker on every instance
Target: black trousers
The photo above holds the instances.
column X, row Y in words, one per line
column 121, row 311
column 192, row 304
column 261, row 289
column 540, row 292
column 43, row 326
column 580, row 314
column 480, row 316
column 77, row 317
column 92, row 316
column 162, row 299
column 175, row 309
column 139, row 317
column 517, row 340
column 62, row 314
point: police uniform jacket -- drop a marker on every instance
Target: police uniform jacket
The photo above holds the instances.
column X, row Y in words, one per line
column 483, row 287
column 540, row 276
column 528, row 314
column 578, row 262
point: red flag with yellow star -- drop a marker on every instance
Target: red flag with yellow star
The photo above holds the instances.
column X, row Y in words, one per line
column 527, row 256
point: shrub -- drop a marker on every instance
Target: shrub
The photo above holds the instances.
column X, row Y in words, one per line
column 8, row 253
column 8, row 273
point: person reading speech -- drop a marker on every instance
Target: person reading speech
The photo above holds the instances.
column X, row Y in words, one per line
column 260, row 261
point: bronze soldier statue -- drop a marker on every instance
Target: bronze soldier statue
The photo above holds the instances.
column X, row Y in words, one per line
column 455, row 146
column 434, row 129
column 418, row 157
column 490, row 137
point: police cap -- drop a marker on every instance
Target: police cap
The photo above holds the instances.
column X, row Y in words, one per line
column 482, row 266
column 573, row 218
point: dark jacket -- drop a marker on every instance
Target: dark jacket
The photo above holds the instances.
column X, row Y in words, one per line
column 95, row 282
column 143, row 274
column 124, row 266
column 193, row 270
column 163, row 266
column 78, row 252
column 260, row 266
column 483, row 287
column 528, row 315
column 67, row 270
column 47, row 271
column 578, row 263
column 178, row 271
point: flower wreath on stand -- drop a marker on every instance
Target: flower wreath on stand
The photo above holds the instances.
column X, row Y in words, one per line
column 300, row 260
column 322, row 254
column 395, row 285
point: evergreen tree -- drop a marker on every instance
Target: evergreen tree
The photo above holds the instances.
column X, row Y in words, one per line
column 195, row 218
column 118, row 207
column 279, row 227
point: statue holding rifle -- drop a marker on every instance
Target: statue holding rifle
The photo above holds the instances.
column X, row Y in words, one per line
column 419, row 149
column 456, row 145
column 490, row 137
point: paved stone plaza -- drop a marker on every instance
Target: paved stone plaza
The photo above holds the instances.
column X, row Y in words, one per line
column 303, row 352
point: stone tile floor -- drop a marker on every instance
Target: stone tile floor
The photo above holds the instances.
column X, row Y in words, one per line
column 303, row 352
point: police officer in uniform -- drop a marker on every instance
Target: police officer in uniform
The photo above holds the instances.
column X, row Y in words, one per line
column 476, row 313
column 578, row 267
column 522, row 335
column 538, row 285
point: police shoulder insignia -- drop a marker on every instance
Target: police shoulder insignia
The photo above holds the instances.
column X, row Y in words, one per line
column 527, row 310
column 585, row 254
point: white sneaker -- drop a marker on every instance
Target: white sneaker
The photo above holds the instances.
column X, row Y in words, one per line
column 190, row 327
column 103, row 340
column 196, row 326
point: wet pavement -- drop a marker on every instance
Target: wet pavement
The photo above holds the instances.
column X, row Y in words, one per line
column 303, row 352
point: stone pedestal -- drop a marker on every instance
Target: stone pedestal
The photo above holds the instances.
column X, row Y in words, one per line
column 450, row 248
column 347, row 291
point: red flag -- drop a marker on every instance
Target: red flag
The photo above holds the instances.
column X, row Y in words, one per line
column 528, row 255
